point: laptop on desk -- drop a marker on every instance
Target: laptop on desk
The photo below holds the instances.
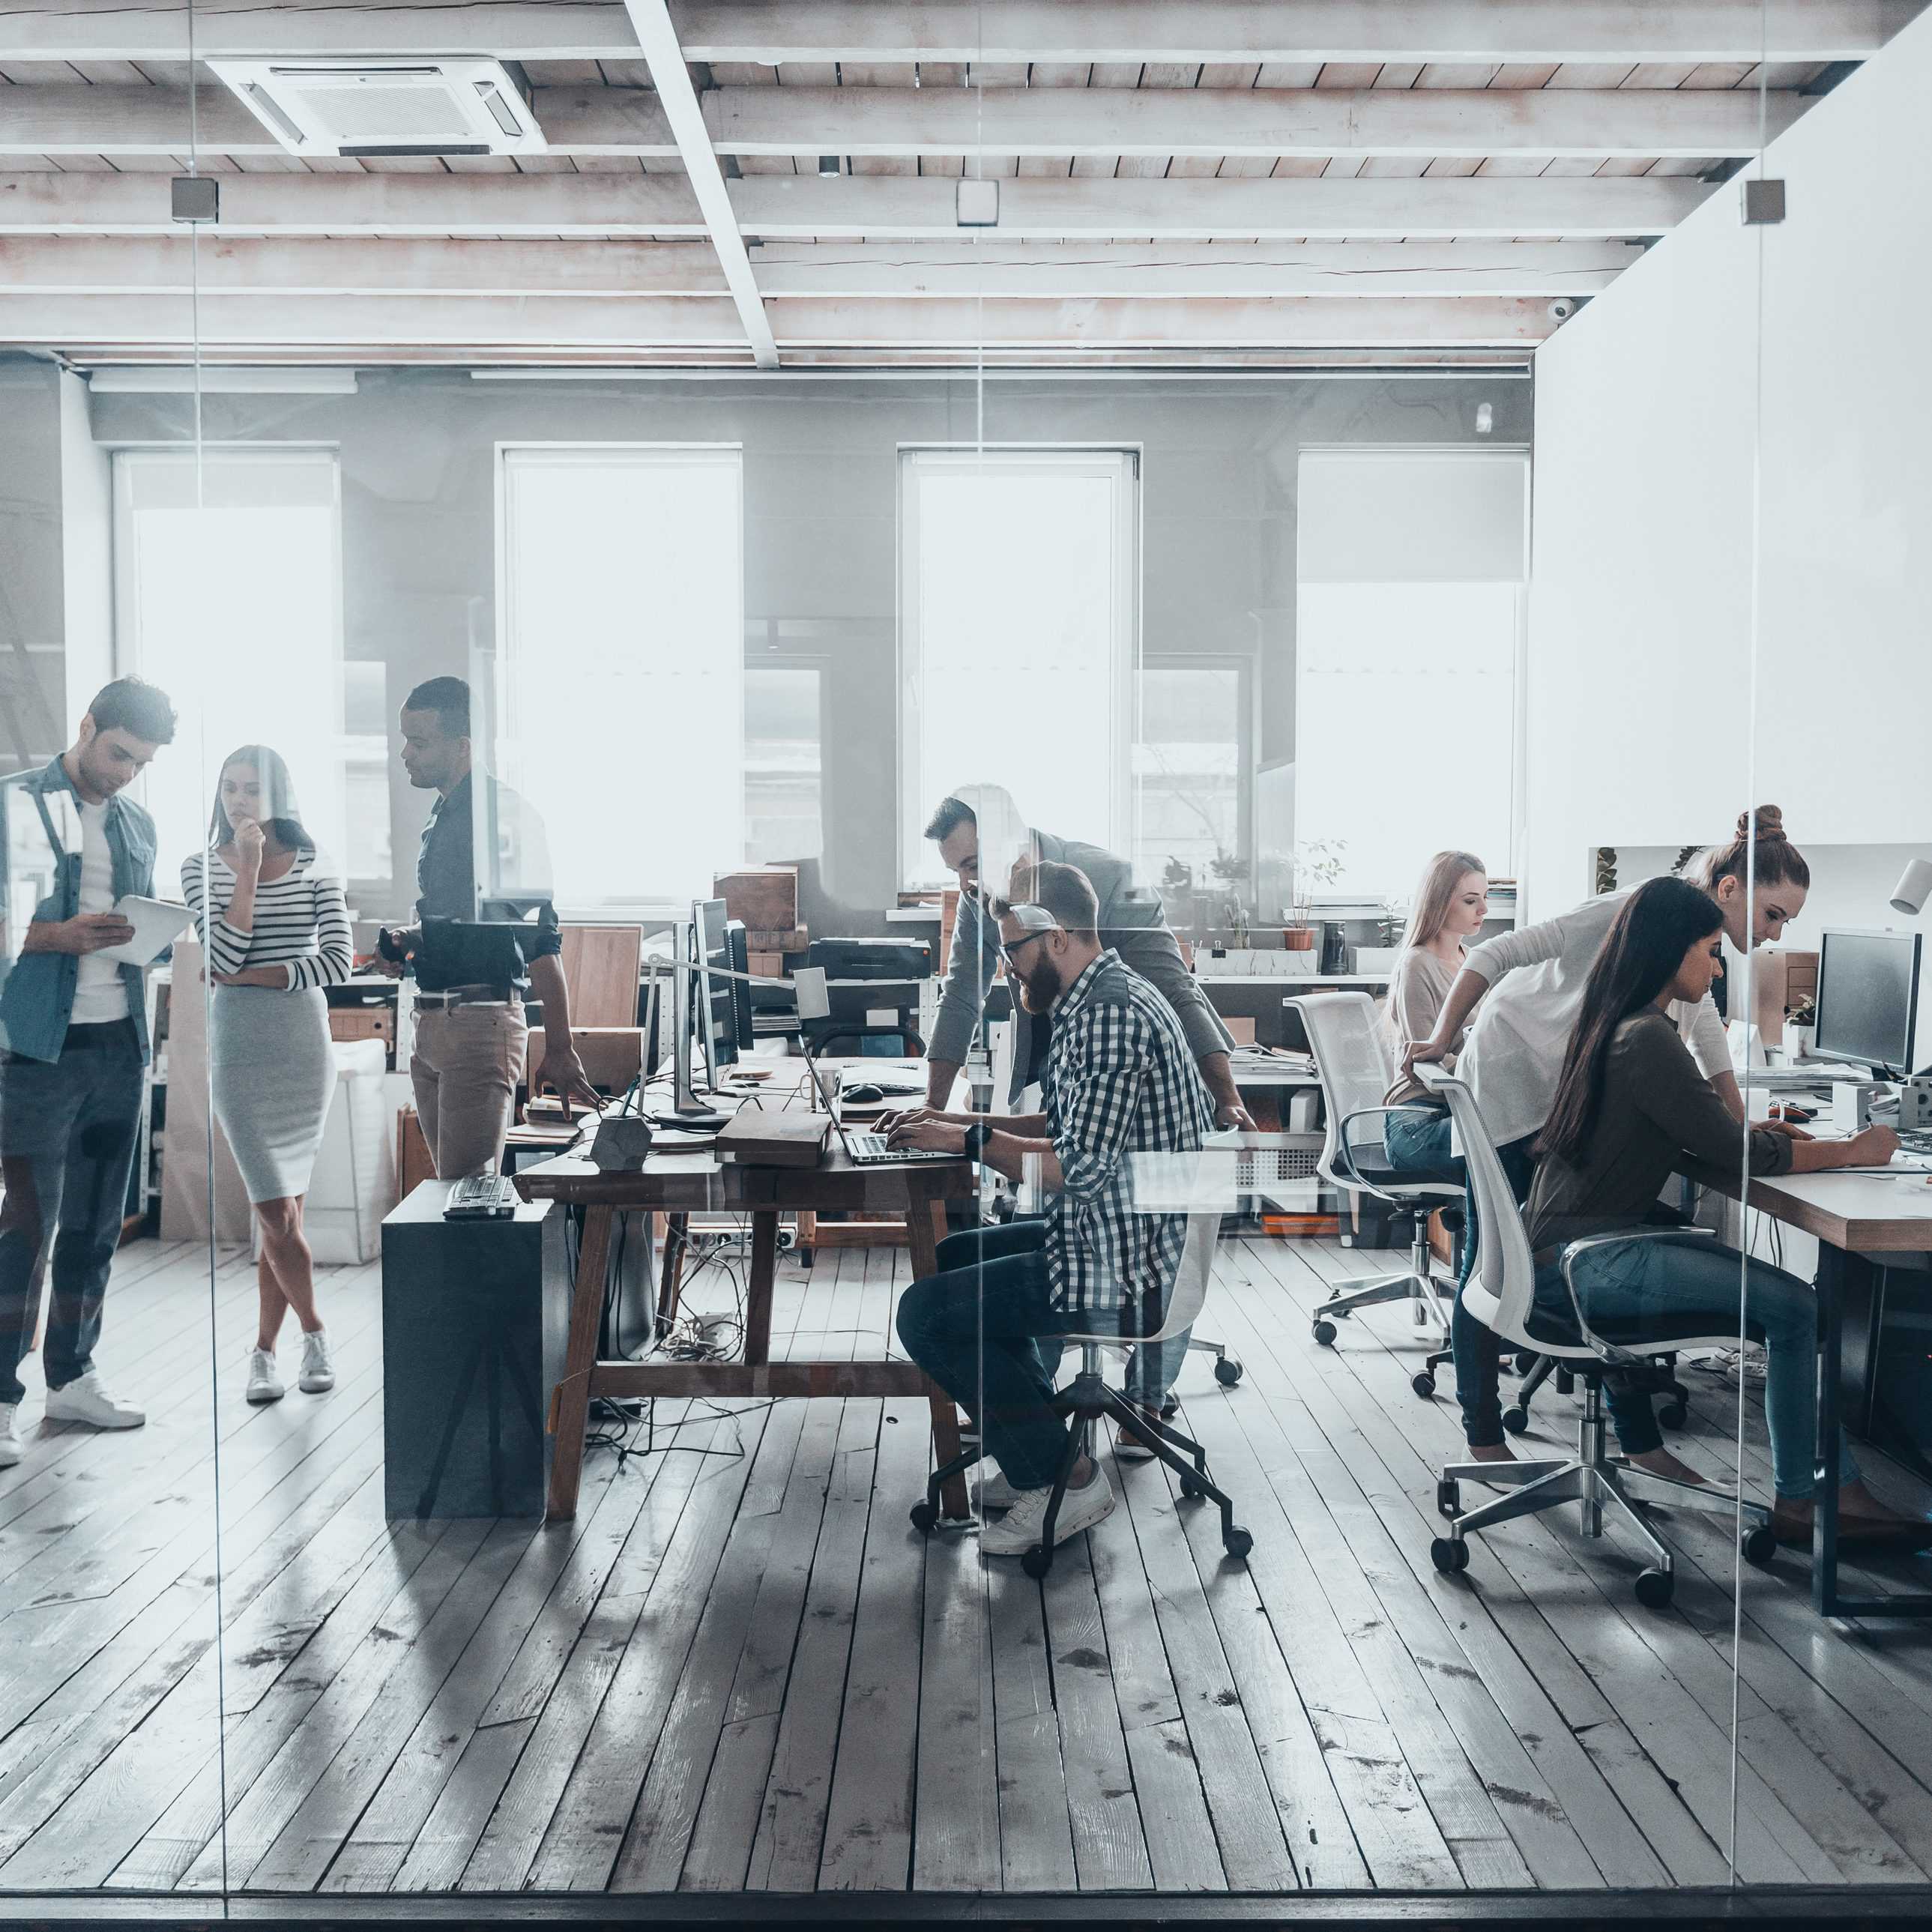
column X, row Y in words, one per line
column 866, row 1149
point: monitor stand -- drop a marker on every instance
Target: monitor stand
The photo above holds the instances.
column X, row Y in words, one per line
column 686, row 1110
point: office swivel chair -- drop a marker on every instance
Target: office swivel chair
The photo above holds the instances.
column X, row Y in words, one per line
column 1501, row 1294
column 1088, row 1398
column 1352, row 1063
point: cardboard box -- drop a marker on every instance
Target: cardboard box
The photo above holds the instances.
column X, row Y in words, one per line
column 794, row 939
column 362, row 1023
column 766, row 965
column 611, row 1055
column 765, row 898
column 1242, row 1028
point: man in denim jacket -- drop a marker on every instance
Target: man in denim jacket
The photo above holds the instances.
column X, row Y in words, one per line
column 73, row 1039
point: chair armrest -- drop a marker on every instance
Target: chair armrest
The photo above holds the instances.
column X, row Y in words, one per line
column 1345, row 1154
column 1589, row 1244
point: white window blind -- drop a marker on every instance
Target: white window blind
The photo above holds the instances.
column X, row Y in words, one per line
column 621, row 678
column 1408, row 644
column 228, row 595
column 1018, row 628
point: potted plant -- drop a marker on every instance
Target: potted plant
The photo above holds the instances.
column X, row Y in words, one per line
column 1801, row 1023
column 1318, row 863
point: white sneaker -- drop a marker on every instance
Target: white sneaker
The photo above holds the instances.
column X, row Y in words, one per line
column 1019, row 1530
column 88, row 1398
column 264, row 1380
column 1129, row 1448
column 995, row 1492
column 10, row 1434
column 318, row 1372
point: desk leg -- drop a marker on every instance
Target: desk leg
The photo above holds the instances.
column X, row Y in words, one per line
column 1832, row 1268
column 671, row 1283
column 925, row 1222
column 764, row 1275
column 570, row 1406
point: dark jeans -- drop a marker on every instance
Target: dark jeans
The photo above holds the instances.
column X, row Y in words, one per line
column 986, row 1318
column 67, row 1131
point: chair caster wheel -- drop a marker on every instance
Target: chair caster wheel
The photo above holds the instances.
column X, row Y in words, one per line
column 1227, row 1371
column 1675, row 1416
column 1422, row 1382
column 1449, row 1554
column 1515, row 1421
column 1654, row 1587
column 925, row 1518
column 1324, row 1334
column 1190, row 1486
column 1759, row 1546
column 1525, row 1361
column 1449, row 1498
column 1237, row 1543
column 1036, row 1562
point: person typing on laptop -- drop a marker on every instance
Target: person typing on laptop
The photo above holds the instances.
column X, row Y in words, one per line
column 1119, row 1080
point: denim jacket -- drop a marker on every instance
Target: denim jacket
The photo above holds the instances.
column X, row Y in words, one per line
column 40, row 880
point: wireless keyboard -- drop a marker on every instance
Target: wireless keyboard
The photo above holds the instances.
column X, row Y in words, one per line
column 480, row 1197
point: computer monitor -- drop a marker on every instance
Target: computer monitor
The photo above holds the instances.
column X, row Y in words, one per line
column 1867, row 999
column 714, row 1008
column 738, row 943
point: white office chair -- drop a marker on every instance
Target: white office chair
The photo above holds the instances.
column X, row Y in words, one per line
column 1352, row 1061
column 1088, row 1398
column 1501, row 1294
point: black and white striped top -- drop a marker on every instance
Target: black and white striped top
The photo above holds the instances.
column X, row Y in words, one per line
column 302, row 922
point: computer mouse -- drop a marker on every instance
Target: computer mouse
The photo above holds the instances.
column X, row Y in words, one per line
column 863, row 1095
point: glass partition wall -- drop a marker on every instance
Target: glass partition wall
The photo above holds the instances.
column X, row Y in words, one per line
column 542, row 729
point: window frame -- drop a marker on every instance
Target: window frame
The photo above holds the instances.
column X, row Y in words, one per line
column 645, row 905
column 918, row 871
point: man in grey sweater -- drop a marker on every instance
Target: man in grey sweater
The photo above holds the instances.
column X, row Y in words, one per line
column 1130, row 923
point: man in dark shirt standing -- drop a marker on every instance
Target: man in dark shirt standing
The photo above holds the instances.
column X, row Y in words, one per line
column 483, row 871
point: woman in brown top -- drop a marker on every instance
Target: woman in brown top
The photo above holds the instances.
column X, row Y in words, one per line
column 1631, row 1107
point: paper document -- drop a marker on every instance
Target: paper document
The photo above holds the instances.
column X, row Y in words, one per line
column 157, row 923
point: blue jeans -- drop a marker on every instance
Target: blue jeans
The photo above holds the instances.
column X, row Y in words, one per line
column 68, row 1130
column 1690, row 1287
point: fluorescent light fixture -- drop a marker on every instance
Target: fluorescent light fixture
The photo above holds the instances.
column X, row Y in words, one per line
column 174, row 379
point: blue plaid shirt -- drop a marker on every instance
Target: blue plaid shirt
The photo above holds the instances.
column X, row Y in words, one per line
column 1121, row 1080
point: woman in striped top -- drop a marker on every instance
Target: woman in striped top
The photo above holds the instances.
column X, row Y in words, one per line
column 276, row 930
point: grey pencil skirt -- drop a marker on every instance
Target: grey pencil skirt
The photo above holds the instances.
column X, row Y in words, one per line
column 273, row 1069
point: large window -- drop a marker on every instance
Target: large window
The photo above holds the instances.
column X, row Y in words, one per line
column 1408, row 637
column 1019, row 626
column 784, row 784
column 621, row 679
column 228, row 595
column 1190, row 754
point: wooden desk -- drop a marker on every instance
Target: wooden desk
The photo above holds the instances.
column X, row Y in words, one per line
column 680, row 1184
column 1858, row 1219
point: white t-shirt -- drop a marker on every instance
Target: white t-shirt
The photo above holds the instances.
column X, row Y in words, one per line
column 100, row 994
column 1513, row 1056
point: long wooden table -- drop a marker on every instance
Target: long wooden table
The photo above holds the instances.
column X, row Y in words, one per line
column 683, row 1184
column 1858, row 1219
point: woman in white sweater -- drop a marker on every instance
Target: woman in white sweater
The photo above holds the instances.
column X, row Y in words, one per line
column 1526, row 989
column 275, row 927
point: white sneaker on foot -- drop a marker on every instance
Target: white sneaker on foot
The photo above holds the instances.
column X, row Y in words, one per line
column 318, row 1372
column 1019, row 1529
column 88, row 1398
column 265, row 1379
column 995, row 1492
column 1129, row 1448
column 10, row 1434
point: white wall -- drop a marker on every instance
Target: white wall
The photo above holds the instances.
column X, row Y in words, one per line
column 1642, row 727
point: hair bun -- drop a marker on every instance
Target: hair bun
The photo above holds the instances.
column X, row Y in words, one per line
column 1764, row 825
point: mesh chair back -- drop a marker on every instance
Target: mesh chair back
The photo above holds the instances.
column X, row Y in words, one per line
column 1351, row 1062
column 1501, row 1287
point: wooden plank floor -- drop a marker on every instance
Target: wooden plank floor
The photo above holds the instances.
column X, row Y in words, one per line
column 740, row 1669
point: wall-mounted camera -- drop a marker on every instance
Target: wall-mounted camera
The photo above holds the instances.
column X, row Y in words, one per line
column 1562, row 309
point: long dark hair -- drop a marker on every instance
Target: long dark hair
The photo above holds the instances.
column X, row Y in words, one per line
column 282, row 815
column 1660, row 921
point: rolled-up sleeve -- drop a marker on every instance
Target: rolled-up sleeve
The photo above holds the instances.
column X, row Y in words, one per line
column 969, row 976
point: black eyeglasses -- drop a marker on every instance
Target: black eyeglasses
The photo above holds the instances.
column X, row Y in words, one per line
column 1010, row 954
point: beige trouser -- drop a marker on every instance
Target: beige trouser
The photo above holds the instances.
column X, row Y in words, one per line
column 465, row 1068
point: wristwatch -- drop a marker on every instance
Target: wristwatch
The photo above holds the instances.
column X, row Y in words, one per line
column 974, row 1146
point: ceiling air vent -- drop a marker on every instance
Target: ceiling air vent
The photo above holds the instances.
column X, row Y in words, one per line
column 421, row 106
